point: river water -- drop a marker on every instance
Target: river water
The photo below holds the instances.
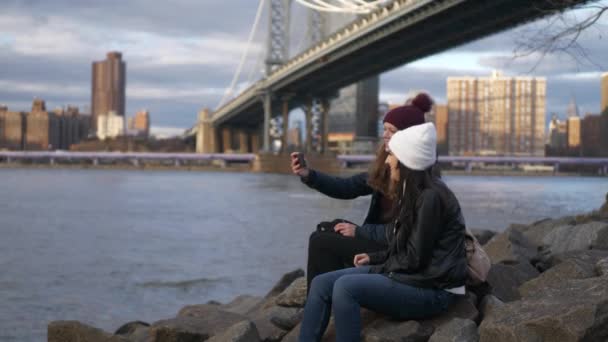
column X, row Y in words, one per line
column 110, row 246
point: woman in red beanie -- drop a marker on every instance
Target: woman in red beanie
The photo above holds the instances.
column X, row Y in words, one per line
column 334, row 244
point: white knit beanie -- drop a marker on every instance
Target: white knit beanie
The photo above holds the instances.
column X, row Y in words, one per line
column 416, row 146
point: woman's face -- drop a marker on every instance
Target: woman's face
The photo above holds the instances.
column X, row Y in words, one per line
column 389, row 130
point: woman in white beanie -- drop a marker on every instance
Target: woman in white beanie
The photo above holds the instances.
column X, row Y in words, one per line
column 424, row 268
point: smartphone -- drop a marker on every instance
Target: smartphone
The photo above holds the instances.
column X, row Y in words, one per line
column 301, row 160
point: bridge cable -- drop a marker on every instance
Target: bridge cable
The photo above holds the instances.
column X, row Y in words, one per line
column 237, row 73
column 349, row 6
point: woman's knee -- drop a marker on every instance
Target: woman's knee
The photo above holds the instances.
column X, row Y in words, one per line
column 321, row 286
column 345, row 287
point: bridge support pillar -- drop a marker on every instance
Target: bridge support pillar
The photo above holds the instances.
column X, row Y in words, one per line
column 206, row 134
column 243, row 141
column 325, row 104
column 267, row 114
column 285, row 114
column 308, row 119
column 226, row 140
column 556, row 168
column 255, row 142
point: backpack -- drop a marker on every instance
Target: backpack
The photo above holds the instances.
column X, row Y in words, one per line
column 478, row 262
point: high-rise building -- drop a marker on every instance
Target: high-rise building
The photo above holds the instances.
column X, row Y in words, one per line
column 591, row 136
column 110, row 126
column 108, row 87
column 12, row 130
column 140, row 123
column 558, row 135
column 574, row 132
column 604, row 92
column 42, row 128
column 496, row 115
column 356, row 109
column 441, row 123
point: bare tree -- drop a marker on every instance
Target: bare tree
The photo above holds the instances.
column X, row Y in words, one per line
column 561, row 32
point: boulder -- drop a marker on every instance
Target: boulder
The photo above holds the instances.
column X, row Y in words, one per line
column 505, row 279
column 286, row 318
column 575, row 310
column 244, row 331
column 536, row 232
column 294, row 295
column 482, row 235
column 200, row 321
column 393, row 331
column 293, row 335
column 268, row 330
column 465, row 307
column 601, row 267
column 456, row 330
column 488, row 305
column 589, row 256
column 510, row 246
column 592, row 235
column 136, row 331
column 570, row 269
column 74, row 331
column 242, row 305
column 284, row 282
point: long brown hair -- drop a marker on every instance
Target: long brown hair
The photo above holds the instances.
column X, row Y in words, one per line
column 379, row 173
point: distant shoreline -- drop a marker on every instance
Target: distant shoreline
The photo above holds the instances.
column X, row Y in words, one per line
column 246, row 168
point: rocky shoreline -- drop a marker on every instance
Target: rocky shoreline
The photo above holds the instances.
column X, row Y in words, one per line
column 548, row 282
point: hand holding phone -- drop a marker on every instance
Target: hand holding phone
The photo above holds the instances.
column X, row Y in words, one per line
column 301, row 160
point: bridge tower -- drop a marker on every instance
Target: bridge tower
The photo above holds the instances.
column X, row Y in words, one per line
column 276, row 54
column 316, row 108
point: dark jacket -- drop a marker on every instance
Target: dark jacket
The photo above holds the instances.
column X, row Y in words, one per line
column 432, row 255
column 350, row 188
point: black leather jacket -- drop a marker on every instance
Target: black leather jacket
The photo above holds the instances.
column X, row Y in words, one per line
column 432, row 255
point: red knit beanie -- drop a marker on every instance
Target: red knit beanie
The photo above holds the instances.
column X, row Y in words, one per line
column 411, row 114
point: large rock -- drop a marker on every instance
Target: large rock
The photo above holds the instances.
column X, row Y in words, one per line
column 243, row 304
column 136, row 331
column 74, row 331
column 505, row 279
column 392, row 331
column 293, row 335
column 465, row 307
column 456, row 330
column 601, row 267
column 294, row 295
column 284, row 282
column 194, row 321
column 510, row 246
column 536, row 232
column 268, row 330
column 286, row 318
column 592, row 235
column 588, row 256
column 488, row 305
column 569, row 269
column 482, row 235
column 182, row 329
column 575, row 310
column 241, row 332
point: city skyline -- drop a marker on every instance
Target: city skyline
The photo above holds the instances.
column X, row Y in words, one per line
column 177, row 68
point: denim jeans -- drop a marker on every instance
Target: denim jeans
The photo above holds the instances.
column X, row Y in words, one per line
column 346, row 291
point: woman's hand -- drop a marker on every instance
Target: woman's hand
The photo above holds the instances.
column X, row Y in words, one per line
column 346, row 229
column 361, row 259
column 296, row 168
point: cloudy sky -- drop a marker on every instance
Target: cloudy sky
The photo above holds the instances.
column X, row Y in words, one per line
column 181, row 55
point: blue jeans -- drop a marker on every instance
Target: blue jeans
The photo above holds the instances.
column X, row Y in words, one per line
column 346, row 291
